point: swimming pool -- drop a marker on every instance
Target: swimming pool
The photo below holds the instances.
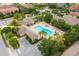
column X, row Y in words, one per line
column 48, row 32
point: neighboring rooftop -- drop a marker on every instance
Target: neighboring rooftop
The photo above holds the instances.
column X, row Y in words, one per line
column 75, row 7
column 74, row 13
column 29, row 5
column 73, row 50
column 71, row 20
column 8, row 8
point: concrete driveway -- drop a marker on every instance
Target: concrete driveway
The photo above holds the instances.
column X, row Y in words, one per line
column 26, row 49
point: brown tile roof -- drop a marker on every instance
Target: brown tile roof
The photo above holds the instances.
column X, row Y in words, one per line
column 8, row 8
column 75, row 7
column 28, row 5
column 26, row 30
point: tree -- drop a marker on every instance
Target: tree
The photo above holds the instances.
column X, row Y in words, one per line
column 1, row 15
column 52, row 5
column 50, row 47
column 38, row 6
column 60, row 23
column 18, row 16
column 46, row 16
column 43, row 34
column 71, row 36
column 13, row 42
column 14, row 22
column 76, row 27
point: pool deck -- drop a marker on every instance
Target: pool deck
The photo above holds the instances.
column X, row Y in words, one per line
column 48, row 25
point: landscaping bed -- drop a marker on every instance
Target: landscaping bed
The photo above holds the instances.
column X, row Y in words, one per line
column 9, row 37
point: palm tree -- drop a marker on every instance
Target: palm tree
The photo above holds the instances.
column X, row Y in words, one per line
column 43, row 34
column 18, row 16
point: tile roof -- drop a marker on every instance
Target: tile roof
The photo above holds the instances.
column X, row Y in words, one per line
column 26, row 30
column 28, row 5
column 75, row 7
column 8, row 8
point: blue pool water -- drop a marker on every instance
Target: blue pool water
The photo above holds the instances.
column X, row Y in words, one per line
column 40, row 28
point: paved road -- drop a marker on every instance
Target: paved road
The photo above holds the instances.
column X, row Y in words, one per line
column 26, row 49
column 3, row 50
column 5, row 21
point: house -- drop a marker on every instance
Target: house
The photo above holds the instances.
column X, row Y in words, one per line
column 26, row 21
column 29, row 5
column 8, row 9
column 74, row 10
column 24, row 30
column 74, row 13
column 75, row 7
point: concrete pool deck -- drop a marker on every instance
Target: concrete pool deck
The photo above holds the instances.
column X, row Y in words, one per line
column 48, row 25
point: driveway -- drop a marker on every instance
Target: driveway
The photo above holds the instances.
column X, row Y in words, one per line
column 26, row 49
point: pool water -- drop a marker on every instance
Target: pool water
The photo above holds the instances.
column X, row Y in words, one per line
column 40, row 28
